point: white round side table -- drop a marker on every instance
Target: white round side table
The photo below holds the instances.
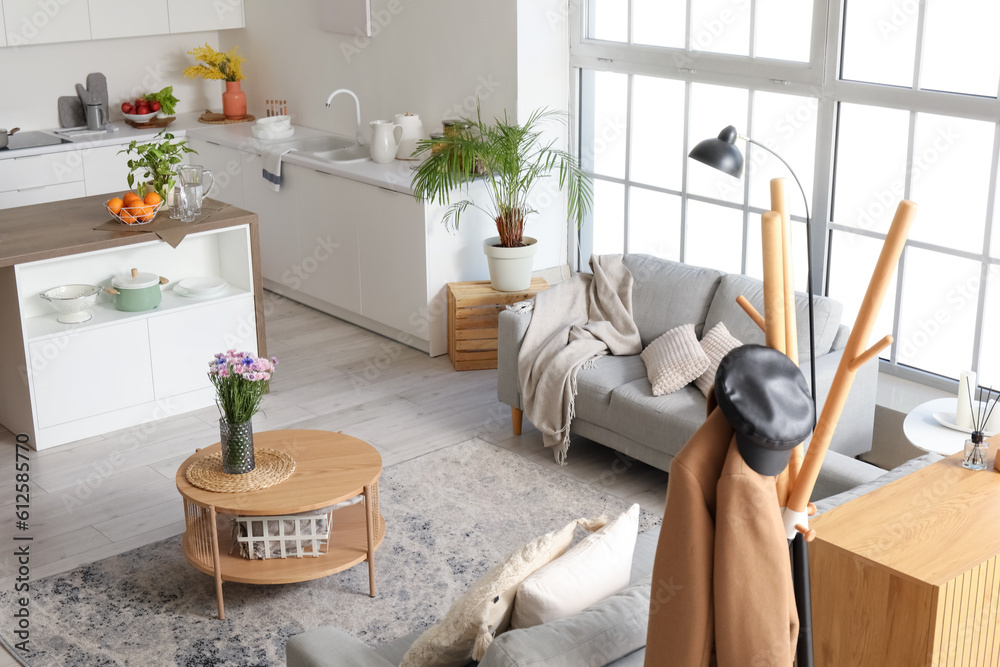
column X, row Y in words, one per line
column 924, row 432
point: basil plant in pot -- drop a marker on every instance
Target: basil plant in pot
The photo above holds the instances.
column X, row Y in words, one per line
column 154, row 164
column 511, row 159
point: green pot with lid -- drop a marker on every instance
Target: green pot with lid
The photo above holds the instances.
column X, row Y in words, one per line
column 136, row 292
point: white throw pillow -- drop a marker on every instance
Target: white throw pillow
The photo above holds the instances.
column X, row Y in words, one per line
column 599, row 566
column 717, row 343
column 674, row 360
column 469, row 626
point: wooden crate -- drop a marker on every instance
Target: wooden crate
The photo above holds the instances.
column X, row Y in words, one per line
column 473, row 309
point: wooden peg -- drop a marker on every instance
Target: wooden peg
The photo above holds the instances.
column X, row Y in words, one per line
column 869, row 354
column 884, row 271
column 808, row 533
column 774, row 281
column 751, row 311
column 811, row 509
column 779, row 204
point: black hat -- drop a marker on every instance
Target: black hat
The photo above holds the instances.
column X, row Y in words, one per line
column 766, row 400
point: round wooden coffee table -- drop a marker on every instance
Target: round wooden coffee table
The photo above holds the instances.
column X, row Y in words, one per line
column 329, row 468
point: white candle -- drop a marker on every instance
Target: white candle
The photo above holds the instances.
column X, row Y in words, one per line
column 966, row 388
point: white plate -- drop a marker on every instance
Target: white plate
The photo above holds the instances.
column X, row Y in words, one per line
column 272, row 135
column 948, row 420
column 202, row 284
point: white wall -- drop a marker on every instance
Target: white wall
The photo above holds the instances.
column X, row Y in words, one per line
column 430, row 57
column 543, row 73
column 33, row 77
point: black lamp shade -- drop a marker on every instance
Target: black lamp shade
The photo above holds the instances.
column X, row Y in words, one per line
column 720, row 153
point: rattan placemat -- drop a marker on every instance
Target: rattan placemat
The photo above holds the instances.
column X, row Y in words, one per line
column 272, row 467
column 220, row 119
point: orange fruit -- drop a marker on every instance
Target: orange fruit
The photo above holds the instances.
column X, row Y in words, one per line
column 131, row 197
column 115, row 205
column 143, row 213
column 153, row 199
column 127, row 217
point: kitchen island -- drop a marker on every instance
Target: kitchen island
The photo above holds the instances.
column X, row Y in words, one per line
column 64, row 382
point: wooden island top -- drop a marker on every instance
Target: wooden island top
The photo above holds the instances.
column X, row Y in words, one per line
column 58, row 229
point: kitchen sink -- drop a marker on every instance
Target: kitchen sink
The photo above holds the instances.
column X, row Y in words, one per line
column 320, row 144
column 354, row 153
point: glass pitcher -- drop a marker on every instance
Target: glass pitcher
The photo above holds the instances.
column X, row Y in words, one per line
column 195, row 178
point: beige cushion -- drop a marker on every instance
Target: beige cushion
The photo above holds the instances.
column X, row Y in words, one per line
column 468, row 628
column 717, row 343
column 599, row 566
column 674, row 360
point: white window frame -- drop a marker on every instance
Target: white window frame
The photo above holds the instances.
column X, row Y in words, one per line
column 818, row 79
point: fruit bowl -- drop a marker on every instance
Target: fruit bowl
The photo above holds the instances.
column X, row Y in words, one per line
column 137, row 214
column 71, row 301
column 140, row 117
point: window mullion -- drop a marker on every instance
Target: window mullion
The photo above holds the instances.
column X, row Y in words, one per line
column 918, row 51
column 684, row 166
column 987, row 243
column 628, row 158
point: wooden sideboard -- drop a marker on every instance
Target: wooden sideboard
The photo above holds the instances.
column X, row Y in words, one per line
column 909, row 574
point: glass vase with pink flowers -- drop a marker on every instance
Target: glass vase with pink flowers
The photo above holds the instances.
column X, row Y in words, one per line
column 240, row 380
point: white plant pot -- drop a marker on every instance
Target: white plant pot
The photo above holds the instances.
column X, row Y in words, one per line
column 510, row 268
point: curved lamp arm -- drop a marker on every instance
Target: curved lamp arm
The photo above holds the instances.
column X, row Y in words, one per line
column 809, row 276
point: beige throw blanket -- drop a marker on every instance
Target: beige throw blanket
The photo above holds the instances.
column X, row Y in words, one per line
column 573, row 324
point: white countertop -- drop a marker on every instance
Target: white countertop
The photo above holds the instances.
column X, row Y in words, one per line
column 394, row 176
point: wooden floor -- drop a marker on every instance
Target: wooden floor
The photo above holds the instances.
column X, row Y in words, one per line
column 106, row 495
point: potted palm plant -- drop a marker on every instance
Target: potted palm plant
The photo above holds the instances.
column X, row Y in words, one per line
column 511, row 159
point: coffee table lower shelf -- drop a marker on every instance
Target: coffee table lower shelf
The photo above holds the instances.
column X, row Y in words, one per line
column 348, row 546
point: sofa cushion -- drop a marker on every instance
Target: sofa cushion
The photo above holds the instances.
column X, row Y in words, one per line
column 598, row 566
column 485, row 608
column 668, row 294
column 663, row 422
column 674, row 360
column 604, row 632
column 725, row 309
column 717, row 343
column 595, row 384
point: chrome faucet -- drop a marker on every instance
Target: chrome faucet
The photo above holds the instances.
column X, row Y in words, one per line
column 357, row 108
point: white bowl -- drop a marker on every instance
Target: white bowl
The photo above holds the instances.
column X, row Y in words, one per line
column 268, row 134
column 71, row 301
column 141, row 117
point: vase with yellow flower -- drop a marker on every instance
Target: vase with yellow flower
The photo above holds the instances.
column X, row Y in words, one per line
column 222, row 66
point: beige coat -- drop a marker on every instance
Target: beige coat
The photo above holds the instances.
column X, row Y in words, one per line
column 722, row 586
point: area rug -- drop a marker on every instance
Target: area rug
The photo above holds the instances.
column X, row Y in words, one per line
column 450, row 515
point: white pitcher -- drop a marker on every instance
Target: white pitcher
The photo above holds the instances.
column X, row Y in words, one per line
column 413, row 131
column 385, row 140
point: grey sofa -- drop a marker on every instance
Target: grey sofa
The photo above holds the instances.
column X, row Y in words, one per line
column 615, row 405
column 616, row 626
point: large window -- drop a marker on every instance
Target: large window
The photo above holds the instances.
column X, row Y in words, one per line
column 870, row 101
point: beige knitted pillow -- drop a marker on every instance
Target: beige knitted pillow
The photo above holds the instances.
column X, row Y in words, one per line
column 717, row 343
column 469, row 626
column 674, row 359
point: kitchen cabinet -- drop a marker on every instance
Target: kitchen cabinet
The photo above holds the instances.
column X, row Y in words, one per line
column 280, row 236
column 64, row 382
column 134, row 18
column 105, row 171
column 198, row 15
column 184, row 342
column 327, row 264
column 77, row 375
column 37, row 179
column 393, row 258
column 226, row 165
column 34, row 22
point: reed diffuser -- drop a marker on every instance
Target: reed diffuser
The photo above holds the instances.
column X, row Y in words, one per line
column 977, row 447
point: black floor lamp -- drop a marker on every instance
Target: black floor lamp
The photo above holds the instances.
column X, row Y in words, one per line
column 721, row 153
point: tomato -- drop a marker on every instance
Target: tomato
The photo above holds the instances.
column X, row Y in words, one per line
column 126, row 107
